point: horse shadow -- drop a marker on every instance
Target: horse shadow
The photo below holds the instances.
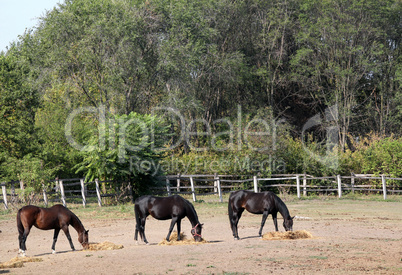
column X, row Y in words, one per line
column 58, row 252
column 215, row 241
column 251, row 237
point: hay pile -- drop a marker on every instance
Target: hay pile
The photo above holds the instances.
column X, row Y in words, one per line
column 183, row 241
column 104, row 246
column 288, row 235
column 19, row 262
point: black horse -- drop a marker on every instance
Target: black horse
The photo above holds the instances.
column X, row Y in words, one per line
column 56, row 217
column 264, row 203
column 165, row 208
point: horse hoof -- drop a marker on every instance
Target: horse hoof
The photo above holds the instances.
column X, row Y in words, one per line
column 147, row 243
column 54, row 252
column 22, row 253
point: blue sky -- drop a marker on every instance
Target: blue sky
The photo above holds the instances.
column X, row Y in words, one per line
column 17, row 15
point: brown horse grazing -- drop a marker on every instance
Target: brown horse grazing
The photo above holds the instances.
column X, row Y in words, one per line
column 56, row 217
column 165, row 208
column 264, row 203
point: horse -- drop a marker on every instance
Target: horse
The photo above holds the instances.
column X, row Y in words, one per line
column 56, row 217
column 264, row 203
column 165, row 208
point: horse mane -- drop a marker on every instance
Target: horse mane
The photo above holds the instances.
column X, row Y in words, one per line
column 76, row 222
column 282, row 208
column 191, row 206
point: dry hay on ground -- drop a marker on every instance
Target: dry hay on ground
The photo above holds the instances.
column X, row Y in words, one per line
column 19, row 262
column 104, row 246
column 288, row 235
column 184, row 241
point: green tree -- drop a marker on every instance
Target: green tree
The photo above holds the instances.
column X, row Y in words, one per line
column 339, row 53
column 128, row 149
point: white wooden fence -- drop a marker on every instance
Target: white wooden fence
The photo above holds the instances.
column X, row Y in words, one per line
column 63, row 189
column 198, row 185
column 299, row 182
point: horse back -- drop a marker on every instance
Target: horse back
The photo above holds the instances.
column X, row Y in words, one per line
column 56, row 216
column 161, row 208
column 255, row 203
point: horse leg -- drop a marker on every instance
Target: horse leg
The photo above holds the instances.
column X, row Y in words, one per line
column 235, row 221
column 264, row 218
column 136, row 233
column 65, row 229
column 141, row 230
column 174, row 220
column 55, row 235
column 178, row 224
column 275, row 221
column 22, row 239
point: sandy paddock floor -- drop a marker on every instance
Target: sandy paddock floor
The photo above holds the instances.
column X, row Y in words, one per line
column 350, row 237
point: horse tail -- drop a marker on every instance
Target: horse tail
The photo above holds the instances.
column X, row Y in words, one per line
column 138, row 227
column 230, row 209
column 137, row 214
column 19, row 223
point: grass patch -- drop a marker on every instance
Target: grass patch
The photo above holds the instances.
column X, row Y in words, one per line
column 318, row 257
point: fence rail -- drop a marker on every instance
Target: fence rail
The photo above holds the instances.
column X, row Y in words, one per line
column 299, row 182
column 61, row 191
column 198, row 185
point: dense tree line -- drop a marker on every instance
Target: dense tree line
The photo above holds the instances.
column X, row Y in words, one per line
column 207, row 72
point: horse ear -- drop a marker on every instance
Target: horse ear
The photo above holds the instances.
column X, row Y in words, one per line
column 86, row 231
column 293, row 217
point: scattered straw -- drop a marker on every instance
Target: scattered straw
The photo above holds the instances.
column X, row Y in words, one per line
column 104, row 246
column 288, row 235
column 19, row 262
column 184, row 241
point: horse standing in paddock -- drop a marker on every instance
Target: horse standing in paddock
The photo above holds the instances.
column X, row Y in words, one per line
column 165, row 208
column 264, row 203
column 56, row 217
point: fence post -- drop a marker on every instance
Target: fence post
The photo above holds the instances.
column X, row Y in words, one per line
column 384, row 186
column 338, row 177
column 218, row 181
column 63, row 196
column 168, row 186
column 298, row 185
column 44, row 194
column 98, row 192
column 3, row 188
column 192, row 188
column 255, row 180
column 84, row 201
column 130, row 191
column 304, row 185
column 352, row 182
column 178, row 183
column 13, row 196
column 215, row 183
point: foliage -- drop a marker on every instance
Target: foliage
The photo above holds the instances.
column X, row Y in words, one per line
column 377, row 155
column 126, row 148
column 223, row 67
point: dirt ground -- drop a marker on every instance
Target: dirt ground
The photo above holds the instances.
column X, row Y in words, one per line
column 350, row 237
